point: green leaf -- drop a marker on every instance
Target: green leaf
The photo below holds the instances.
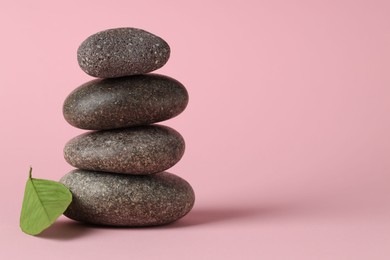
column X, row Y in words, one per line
column 44, row 201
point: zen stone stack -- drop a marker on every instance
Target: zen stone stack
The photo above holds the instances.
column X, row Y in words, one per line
column 120, row 178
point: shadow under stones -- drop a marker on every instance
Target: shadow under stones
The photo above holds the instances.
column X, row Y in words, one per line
column 69, row 229
column 211, row 215
column 203, row 216
column 65, row 230
column 197, row 216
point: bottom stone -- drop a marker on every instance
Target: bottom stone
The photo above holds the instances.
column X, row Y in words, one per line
column 127, row 200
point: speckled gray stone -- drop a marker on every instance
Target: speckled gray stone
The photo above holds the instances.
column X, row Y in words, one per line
column 122, row 52
column 136, row 150
column 127, row 200
column 124, row 102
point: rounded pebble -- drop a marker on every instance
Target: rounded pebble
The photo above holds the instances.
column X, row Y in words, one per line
column 125, row 102
column 122, row 52
column 137, row 150
column 126, row 200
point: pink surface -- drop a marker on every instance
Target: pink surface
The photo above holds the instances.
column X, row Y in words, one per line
column 287, row 128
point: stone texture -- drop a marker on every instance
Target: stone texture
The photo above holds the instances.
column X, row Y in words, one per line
column 124, row 102
column 127, row 200
column 137, row 150
column 122, row 52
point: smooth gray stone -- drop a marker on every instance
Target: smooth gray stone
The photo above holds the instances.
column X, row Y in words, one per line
column 126, row 200
column 124, row 102
column 136, row 150
column 122, row 52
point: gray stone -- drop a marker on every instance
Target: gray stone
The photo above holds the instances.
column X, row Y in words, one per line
column 127, row 200
column 136, row 150
column 122, row 52
column 124, row 102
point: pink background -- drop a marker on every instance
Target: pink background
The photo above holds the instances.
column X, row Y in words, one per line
column 287, row 128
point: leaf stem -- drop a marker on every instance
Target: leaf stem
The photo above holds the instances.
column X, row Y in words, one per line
column 30, row 173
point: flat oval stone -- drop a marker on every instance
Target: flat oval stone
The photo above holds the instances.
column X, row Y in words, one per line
column 125, row 102
column 137, row 150
column 127, row 200
column 122, row 52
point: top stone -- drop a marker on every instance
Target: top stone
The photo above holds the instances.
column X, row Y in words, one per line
column 122, row 52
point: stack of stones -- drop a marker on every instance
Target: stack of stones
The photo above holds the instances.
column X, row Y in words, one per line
column 120, row 179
